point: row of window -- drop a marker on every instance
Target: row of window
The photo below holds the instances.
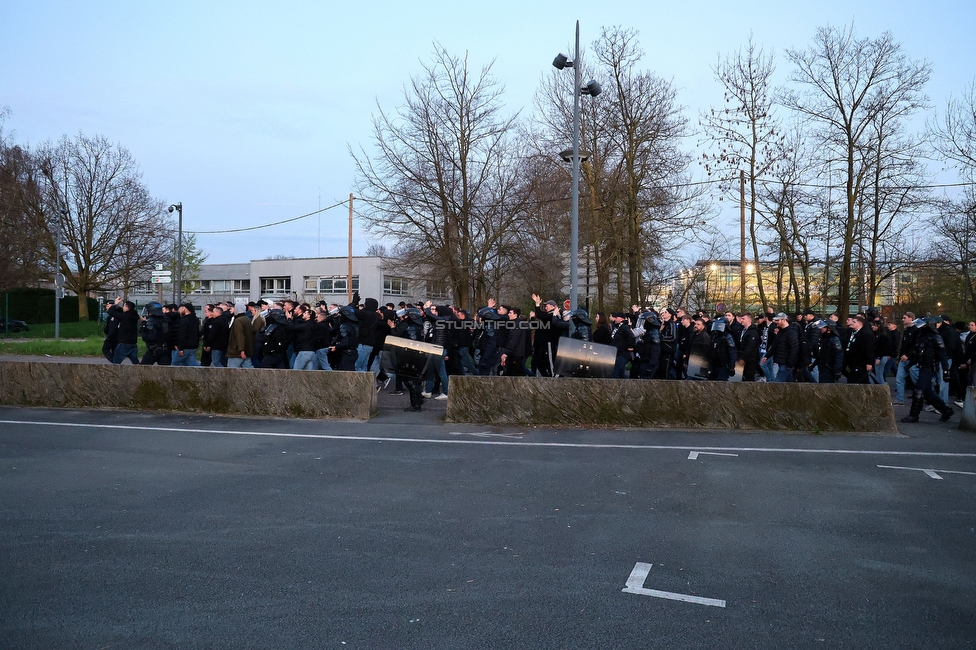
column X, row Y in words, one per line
column 277, row 286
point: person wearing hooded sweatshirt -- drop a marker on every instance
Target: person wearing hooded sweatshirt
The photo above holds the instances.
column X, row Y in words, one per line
column 347, row 342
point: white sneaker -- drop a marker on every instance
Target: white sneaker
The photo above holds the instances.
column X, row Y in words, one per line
column 959, row 403
column 441, row 396
column 930, row 408
column 427, row 396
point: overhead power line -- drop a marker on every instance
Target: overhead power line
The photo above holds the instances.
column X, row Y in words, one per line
column 266, row 225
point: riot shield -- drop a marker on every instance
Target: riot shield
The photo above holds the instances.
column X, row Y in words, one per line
column 575, row 358
column 411, row 357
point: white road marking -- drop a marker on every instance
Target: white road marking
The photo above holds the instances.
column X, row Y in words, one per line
column 635, row 585
column 504, row 443
column 486, row 434
column 930, row 472
column 693, row 455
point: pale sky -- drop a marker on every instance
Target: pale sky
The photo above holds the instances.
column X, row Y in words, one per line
column 244, row 111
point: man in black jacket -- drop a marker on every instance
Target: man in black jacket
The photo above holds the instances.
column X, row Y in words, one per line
column 905, row 367
column 187, row 338
column 859, row 355
column 128, row 333
column 621, row 337
column 517, row 344
column 749, row 347
column 785, row 348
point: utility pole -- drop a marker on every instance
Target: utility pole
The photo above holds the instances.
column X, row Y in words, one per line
column 742, row 241
column 349, row 278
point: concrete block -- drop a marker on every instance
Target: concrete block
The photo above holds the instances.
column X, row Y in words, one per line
column 522, row 401
column 967, row 423
column 230, row 391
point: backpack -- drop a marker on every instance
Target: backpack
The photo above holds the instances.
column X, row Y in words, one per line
column 275, row 339
column 155, row 331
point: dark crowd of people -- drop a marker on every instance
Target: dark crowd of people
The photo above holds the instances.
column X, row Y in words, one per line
column 932, row 356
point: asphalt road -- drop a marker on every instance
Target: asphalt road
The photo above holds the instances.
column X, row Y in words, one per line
column 141, row 530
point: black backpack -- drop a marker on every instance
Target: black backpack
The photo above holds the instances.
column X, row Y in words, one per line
column 275, row 339
column 155, row 331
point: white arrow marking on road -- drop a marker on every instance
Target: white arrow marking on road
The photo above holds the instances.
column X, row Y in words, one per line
column 635, row 585
column 693, row 455
column 930, row 472
column 485, row 434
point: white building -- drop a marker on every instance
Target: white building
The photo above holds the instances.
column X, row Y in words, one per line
column 305, row 280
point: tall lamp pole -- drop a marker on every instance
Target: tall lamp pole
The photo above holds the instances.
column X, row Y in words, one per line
column 178, row 289
column 58, row 278
column 593, row 89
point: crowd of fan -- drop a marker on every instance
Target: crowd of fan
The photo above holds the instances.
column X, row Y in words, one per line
column 933, row 355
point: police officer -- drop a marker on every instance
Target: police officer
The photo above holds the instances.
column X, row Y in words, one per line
column 649, row 347
column 830, row 353
column 411, row 326
column 930, row 357
column 155, row 330
column 346, row 343
column 723, row 357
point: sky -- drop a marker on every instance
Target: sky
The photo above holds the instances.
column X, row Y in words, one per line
column 245, row 112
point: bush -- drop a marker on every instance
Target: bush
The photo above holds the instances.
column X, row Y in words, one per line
column 36, row 305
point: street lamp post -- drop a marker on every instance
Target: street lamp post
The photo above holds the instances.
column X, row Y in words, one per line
column 178, row 289
column 58, row 278
column 593, row 89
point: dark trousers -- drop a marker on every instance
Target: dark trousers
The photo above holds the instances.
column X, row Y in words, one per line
column 157, row 355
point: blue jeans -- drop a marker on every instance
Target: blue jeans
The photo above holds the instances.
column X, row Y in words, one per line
column 437, row 368
column 237, row 362
column 125, row 351
column 305, row 360
column 218, row 359
column 784, row 375
column 942, row 386
column 362, row 361
column 619, row 366
column 322, row 359
column 768, row 369
column 878, row 372
column 189, row 358
column 901, row 376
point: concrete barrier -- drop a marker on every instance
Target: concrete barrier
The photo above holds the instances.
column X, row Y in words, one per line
column 968, row 421
column 230, row 391
column 521, row 401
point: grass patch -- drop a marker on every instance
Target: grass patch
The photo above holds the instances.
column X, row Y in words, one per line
column 90, row 347
column 82, row 330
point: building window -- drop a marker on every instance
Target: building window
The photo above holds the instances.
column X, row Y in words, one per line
column 330, row 284
column 242, row 286
column 437, row 290
column 275, row 286
column 395, row 286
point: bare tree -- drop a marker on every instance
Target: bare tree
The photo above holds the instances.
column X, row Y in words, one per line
column 444, row 180
column 954, row 138
column 847, row 84
column 746, row 133
column 111, row 227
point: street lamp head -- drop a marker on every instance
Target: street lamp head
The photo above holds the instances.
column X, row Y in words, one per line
column 567, row 155
column 561, row 62
column 592, row 89
column 176, row 206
